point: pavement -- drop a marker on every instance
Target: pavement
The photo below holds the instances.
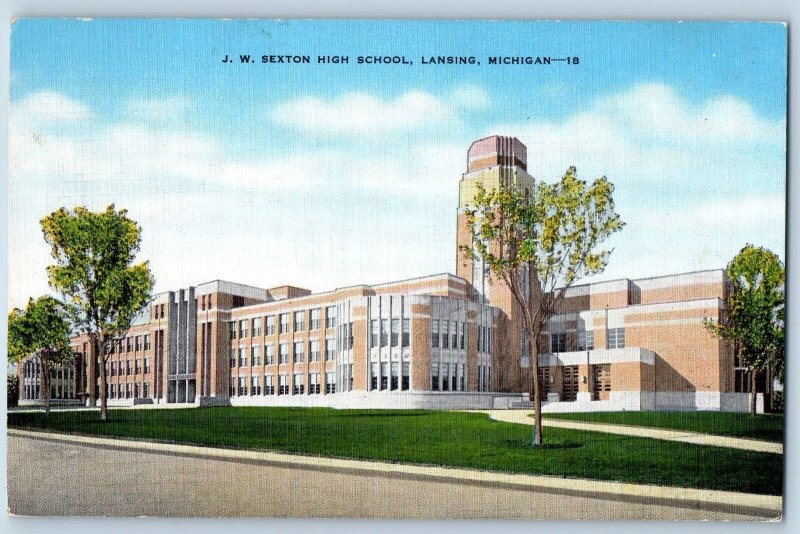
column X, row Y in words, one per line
column 523, row 417
column 60, row 474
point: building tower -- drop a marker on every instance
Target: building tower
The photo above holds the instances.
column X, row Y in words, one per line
column 494, row 161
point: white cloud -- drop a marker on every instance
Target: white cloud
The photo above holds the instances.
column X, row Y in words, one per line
column 656, row 111
column 693, row 182
column 47, row 107
column 365, row 114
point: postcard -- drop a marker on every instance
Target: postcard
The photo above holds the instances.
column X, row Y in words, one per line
column 396, row 269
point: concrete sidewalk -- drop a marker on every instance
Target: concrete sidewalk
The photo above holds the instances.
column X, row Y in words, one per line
column 523, row 417
column 763, row 506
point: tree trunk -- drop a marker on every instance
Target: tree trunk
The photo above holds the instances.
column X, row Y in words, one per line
column 101, row 341
column 45, row 385
column 533, row 364
column 752, row 392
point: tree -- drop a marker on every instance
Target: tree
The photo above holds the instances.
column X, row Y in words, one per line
column 40, row 331
column 95, row 271
column 12, row 391
column 545, row 242
column 754, row 321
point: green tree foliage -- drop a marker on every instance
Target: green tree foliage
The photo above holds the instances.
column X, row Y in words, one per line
column 94, row 269
column 12, row 391
column 754, row 321
column 539, row 245
column 40, row 331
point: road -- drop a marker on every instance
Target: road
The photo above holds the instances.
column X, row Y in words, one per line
column 49, row 478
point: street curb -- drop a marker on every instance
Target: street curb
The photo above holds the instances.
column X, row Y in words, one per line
column 765, row 506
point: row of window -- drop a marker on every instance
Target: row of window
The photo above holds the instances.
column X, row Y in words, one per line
column 252, row 327
column 130, row 344
column 453, row 334
column 266, row 385
column 381, row 334
column 253, row 358
column 385, row 377
column 448, row 377
column 139, row 366
column 584, row 340
column 138, row 390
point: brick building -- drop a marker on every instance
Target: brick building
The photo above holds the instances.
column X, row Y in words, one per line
column 440, row 341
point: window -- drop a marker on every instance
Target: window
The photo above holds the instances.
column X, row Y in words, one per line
column 406, row 383
column 350, row 342
column 373, row 333
column 242, row 357
column 453, row 328
column 255, row 386
column 284, row 318
column 256, row 327
column 242, row 386
column 138, row 341
column 435, row 333
column 254, row 359
column 268, row 355
column 406, row 332
column 269, row 386
column 146, row 342
column 283, row 385
column 330, row 382
column 330, row 349
column 232, row 330
column 445, row 377
column 283, row 353
column 146, row 365
column 136, row 367
column 435, row 377
column 313, row 384
column 128, row 344
column 384, row 332
column 384, row 376
column 373, row 382
column 127, row 367
column 298, row 321
column 233, row 357
column 558, row 342
column 395, row 332
column 330, row 316
column 113, row 368
column 232, row 387
column 394, row 383
column 113, row 391
column 314, row 319
column 616, row 338
column 298, row 352
column 461, row 377
column 313, row 351
column 269, row 325
column 127, row 391
column 586, row 340
column 445, row 337
column 146, row 392
column 242, row 329
column 136, row 391
column 297, row 384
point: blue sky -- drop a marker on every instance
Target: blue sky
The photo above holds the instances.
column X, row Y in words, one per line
column 330, row 175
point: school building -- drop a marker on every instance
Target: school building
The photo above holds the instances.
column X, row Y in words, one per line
column 442, row 341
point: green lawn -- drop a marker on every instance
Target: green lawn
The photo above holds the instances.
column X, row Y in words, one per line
column 767, row 427
column 437, row 438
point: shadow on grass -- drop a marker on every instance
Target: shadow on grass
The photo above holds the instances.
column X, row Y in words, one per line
column 528, row 445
